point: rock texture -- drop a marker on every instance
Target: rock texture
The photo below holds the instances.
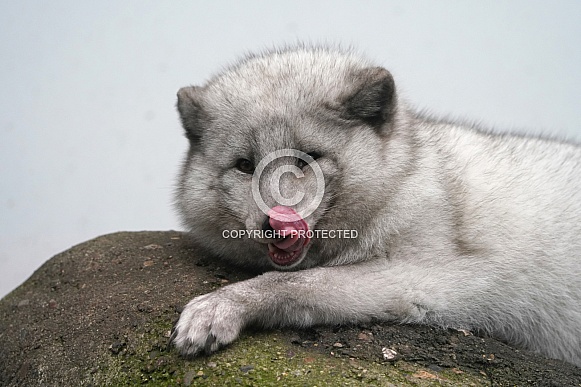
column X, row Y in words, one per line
column 100, row 314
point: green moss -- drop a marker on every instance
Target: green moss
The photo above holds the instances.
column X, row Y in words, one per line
column 257, row 359
column 140, row 357
column 264, row 360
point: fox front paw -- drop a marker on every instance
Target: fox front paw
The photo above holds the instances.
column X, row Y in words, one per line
column 207, row 323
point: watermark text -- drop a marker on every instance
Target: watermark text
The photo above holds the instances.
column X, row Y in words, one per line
column 280, row 234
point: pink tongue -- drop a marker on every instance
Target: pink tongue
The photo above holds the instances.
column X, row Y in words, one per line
column 294, row 228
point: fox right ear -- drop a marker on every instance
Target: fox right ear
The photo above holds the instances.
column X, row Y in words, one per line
column 372, row 98
column 191, row 112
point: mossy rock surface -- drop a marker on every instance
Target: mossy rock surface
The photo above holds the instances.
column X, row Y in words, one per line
column 100, row 314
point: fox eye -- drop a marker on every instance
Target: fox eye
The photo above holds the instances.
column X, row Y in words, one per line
column 245, row 166
column 302, row 163
column 314, row 155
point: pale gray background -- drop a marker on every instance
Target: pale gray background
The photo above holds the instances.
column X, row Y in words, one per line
column 89, row 139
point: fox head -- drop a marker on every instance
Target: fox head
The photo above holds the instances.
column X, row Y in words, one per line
column 307, row 130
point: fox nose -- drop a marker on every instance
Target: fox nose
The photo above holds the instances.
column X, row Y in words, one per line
column 266, row 225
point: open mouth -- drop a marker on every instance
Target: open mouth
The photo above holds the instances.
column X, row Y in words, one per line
column 293, row 228
column 281, row 257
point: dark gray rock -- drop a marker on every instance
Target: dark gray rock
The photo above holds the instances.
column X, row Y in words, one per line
column 100, row 314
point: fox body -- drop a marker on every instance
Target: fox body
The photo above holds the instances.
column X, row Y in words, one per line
column 453, row 226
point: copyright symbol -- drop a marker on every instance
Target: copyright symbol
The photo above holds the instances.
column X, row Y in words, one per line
column 297, row 172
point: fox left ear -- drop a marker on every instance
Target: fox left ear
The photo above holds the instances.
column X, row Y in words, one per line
column 192, row 113
column 374, row 98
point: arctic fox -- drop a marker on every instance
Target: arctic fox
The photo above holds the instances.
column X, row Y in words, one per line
column 305, row 160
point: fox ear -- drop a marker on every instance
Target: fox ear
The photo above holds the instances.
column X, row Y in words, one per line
column 191, row 112
column 374, row 98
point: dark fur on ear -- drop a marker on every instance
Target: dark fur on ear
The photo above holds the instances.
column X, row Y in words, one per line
column 374, row 99
column 191, row 112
